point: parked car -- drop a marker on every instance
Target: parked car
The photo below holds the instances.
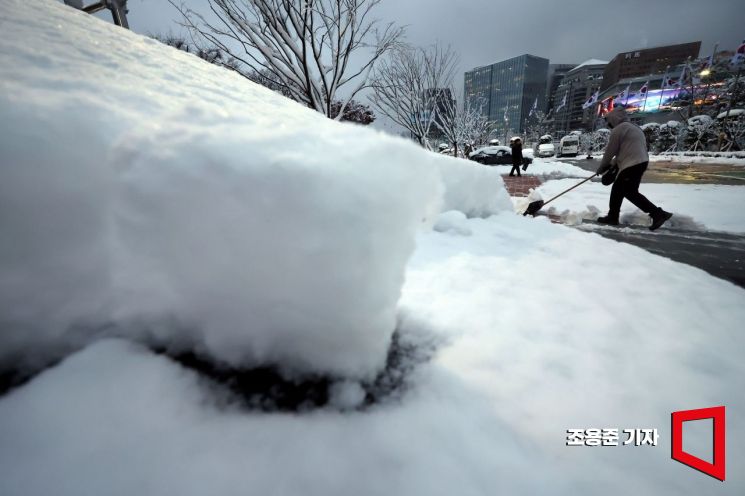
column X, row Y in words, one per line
column 546, row 146
column 569, row 146
column 496, row 155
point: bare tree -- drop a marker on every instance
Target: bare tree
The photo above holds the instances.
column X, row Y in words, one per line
column 304, row 45
column 409, row 84
column 462, row 125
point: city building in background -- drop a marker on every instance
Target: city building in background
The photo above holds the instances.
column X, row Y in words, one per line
column 645, row 61
column 681, row 91
column 576, row 89
column 508, row 90
column 442, row 99
column 556, row 73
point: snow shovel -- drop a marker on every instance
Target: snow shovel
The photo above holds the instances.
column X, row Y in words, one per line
column 535, row 206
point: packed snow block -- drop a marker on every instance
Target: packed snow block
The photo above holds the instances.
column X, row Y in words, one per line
column 472, row 188
column 273, row 254
column 147, row 193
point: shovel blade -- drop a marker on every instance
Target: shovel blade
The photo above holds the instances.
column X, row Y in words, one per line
column 533, row 208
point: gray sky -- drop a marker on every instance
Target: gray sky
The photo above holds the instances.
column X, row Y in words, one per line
column 568, row 31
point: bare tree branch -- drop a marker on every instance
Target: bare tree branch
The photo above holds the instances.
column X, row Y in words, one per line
column 408, row 85
column 303, row 45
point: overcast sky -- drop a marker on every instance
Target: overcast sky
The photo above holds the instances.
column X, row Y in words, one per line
column 567, row 31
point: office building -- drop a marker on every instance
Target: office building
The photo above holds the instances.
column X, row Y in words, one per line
column 508, row 90
column 576, row 88
column 556, row 73
column 646, row 61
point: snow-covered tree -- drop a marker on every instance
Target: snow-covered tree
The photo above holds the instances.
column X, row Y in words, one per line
column 462, row 125
column 670, row 134
column 700, row 133
column 307, row 46
column 408, row 85
column 354, row 112
column 652, row 135
column 536, row 125
column 732, row 133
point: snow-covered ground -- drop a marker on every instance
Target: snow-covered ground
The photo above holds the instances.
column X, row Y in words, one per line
column 721, row 158
column 547, row 168
column 696, row 206
column 149, row 198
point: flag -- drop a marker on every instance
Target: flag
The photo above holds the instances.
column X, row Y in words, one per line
column 667, row 81
column 739, row 57
column 643, row 90
column 710, row 61
column 592, row 100
column 624, row 95
column 684, row 74
column 534, row 109
column 563, row 102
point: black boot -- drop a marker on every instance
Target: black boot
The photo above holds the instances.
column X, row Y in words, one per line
column 609, row 220
column 659, row 217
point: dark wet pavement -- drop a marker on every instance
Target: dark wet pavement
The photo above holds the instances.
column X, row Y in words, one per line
column 720, row 254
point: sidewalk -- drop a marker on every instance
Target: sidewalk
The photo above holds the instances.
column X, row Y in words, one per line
column 521, row 186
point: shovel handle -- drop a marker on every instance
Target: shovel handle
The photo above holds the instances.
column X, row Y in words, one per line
column 570, row 189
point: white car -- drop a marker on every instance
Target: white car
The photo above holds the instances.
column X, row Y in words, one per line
column 569, row 146
column 546, row 146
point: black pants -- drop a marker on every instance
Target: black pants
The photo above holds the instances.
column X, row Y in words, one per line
column 626, row 186
column 515, row 167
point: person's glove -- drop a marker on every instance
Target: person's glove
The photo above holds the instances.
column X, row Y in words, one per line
column 603, row 168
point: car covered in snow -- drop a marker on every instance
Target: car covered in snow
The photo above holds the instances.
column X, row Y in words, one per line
column 545, row 146
column 497, row 155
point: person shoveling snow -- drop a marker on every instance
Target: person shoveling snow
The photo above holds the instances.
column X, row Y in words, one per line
column 629, row 147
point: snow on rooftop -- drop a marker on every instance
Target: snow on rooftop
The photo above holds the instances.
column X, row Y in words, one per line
column 590, row 62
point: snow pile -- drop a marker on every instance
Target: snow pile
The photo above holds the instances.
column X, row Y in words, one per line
column 145, row 192
column 471, row 188
column 548, row 169
column 719, row 158
column 453, row 222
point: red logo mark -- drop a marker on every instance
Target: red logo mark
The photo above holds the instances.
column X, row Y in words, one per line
column 716, row 413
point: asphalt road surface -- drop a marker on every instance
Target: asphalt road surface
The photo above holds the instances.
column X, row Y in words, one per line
column 720, row 254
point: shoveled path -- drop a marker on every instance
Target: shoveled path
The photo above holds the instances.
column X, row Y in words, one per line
column 720, row 254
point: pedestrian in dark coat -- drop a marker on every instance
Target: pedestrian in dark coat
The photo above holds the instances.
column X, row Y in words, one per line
column 517, row 156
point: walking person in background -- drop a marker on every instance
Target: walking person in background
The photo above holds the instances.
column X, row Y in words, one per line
column 628, row 145
column 517, row 155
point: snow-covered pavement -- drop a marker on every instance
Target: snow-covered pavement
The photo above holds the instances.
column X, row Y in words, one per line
column 696, row 206
column 547, row 169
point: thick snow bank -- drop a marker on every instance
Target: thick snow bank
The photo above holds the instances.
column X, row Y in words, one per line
column 472, row 188
column 721, row 158
column 141, row 185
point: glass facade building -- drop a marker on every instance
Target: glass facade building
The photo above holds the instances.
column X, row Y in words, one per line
column 507, row 90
